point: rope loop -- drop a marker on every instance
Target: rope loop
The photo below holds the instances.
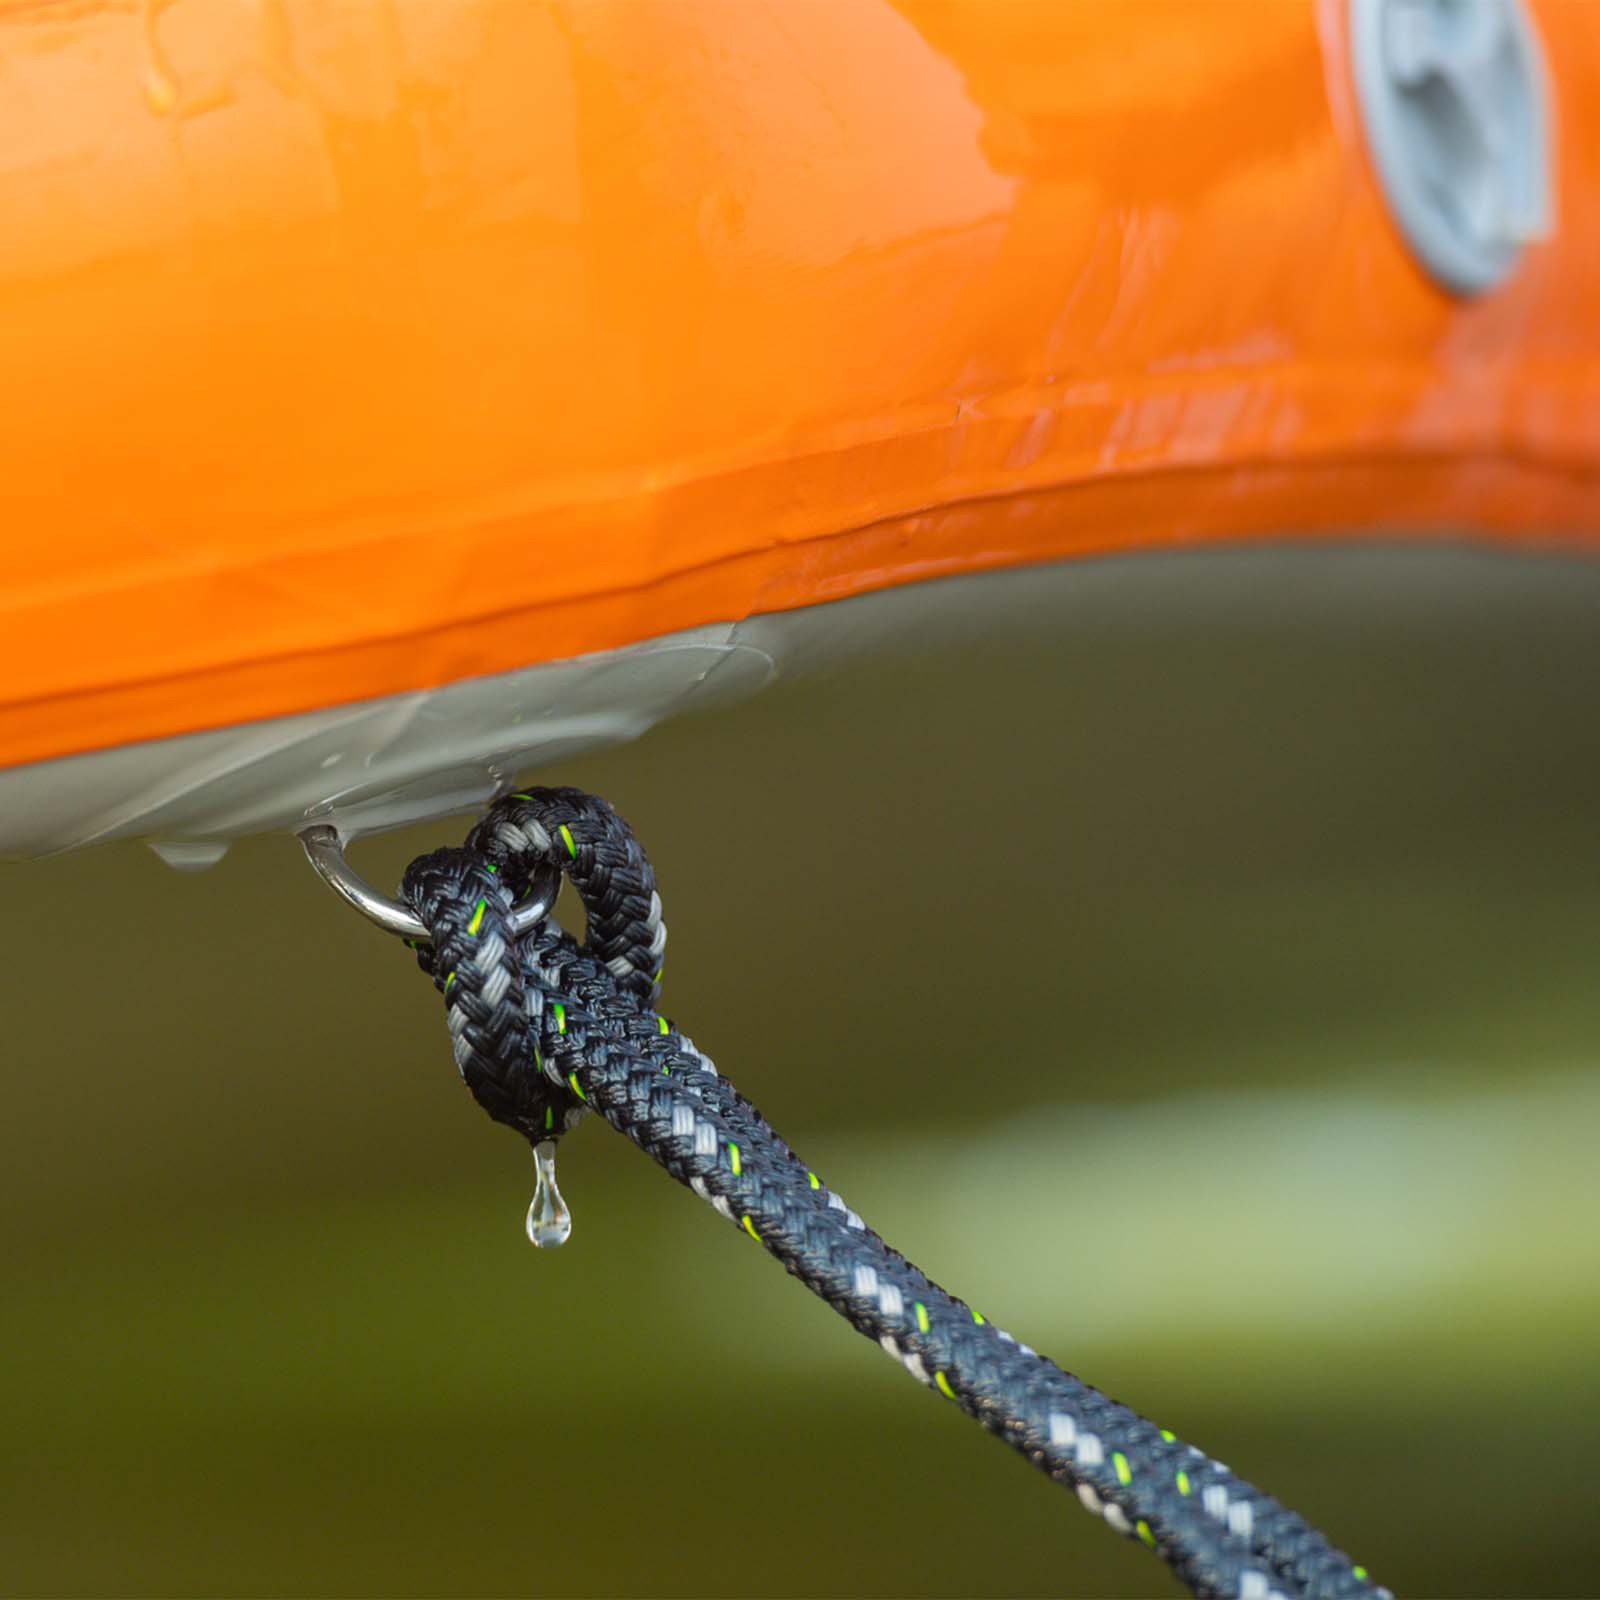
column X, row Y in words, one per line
column 597, row 852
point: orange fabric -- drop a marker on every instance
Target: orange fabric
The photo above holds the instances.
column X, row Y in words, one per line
column 361, row 347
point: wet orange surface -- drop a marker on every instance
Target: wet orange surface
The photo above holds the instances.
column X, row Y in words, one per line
column 357, row 348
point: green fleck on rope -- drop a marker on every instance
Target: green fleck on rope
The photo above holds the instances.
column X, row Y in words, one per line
column 944, row 1386
column 978, row 1318
column 561, row 1017
column 816, row 1182
column 922, row 1316
column 448, row 981
column 1360, row 1572
column 549, row 1118
column 1168, row 1435
column 733, row 1158
column 661, row 1025
column 1124, row 1471
column 1142, row 1528
column 1182, row 1481
column 750, row 1228
column 477, row 918
column 577, row 1088
column 566, row 839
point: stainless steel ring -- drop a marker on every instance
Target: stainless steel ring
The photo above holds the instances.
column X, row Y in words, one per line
column 325, row 851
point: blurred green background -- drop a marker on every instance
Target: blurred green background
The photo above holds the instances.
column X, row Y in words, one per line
column 1197, row 973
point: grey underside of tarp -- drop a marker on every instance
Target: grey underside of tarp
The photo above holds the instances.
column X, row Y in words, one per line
column 404, row 758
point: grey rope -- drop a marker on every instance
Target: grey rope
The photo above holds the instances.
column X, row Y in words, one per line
column 545, row 1029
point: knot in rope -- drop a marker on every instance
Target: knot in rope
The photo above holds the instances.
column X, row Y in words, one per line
column 545, row 1029
column 498, row 999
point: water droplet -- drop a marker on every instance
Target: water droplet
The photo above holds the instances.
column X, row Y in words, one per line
column 190, row 855
column 549, row 1221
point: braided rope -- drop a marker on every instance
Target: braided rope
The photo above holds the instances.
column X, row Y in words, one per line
column 546, row 1029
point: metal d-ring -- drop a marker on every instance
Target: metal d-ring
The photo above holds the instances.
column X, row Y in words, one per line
column 325, row 851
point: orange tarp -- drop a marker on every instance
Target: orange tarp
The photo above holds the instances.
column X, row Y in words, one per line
column 360, row 347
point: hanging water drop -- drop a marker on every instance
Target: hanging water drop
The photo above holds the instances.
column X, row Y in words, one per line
column 190, row 855
column 549, row 1221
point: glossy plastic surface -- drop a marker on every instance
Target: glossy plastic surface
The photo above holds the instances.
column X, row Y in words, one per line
column 359, row 348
